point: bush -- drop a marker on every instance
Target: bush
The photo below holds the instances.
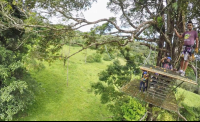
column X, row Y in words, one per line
column 17, row 87
column 90, row 59
column 94, row 58
column 133, row 110
column 165, row 116
column 14, row 98
column 97, row 57
column 106, row 57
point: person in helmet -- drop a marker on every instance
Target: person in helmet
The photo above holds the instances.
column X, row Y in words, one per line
column 166, row 63
column 143, row 82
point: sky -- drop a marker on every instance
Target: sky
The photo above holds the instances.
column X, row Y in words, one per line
column 97, row 11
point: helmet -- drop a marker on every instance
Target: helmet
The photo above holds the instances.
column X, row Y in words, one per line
column 145, row 72
column 169, row 58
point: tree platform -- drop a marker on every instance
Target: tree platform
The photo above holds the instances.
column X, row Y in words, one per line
column 168, row 73
column 160, row 88
column 167, row 101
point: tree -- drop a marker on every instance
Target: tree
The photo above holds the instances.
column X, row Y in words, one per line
column 138, row 15
column 17, row 87
column 112, row 79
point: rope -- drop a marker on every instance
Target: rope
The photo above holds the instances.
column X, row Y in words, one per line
column 107, row 52
column 148, row 56
column 196, row 70
column 154, row 53
column 68, row 61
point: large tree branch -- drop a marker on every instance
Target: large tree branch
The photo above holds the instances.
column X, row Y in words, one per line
column 165, row 8
column 167, row 40
column 47, row 26
column 144, row 116
column 148, row 40
column 149, row 23
column 143, row 29
column 193, row 67
column 153, row 48
column 99, row 44
column 147, row 9
column 82, row 20
column 181, row 116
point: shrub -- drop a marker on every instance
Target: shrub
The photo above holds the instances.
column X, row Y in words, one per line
column 106, row 57
column 94, row 58
column 90, row 59
column 133, row 110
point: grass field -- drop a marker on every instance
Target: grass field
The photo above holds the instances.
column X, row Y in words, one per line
column 191, row 99
column 59, row 102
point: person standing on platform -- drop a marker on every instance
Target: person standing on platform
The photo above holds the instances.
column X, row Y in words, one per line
column 187, row 54
column 143, row 82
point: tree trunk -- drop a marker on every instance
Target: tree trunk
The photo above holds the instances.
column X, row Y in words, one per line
column 162, row 38
column 150, row 115
column 180, row 26
column 170, row 28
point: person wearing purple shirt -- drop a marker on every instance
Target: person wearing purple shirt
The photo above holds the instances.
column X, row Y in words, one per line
column 190, row 37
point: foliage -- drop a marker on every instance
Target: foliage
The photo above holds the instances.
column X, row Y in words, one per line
column 14, row 98
column 160, row 22
column 133, row 110
column 125, row 108
column 165, row 116
column 188, row 104
column 190, row 113
column 113, row 78
column 17, row 88
column 107, row 57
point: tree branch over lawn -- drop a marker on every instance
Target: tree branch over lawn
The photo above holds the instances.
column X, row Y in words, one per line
column 102, row 43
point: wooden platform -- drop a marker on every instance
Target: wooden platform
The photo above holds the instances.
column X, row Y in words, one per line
column 160, row 89
column 168, row 102
column 168, row 73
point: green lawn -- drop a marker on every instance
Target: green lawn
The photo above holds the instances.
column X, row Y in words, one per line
column 191, row 99
column 59, row 102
